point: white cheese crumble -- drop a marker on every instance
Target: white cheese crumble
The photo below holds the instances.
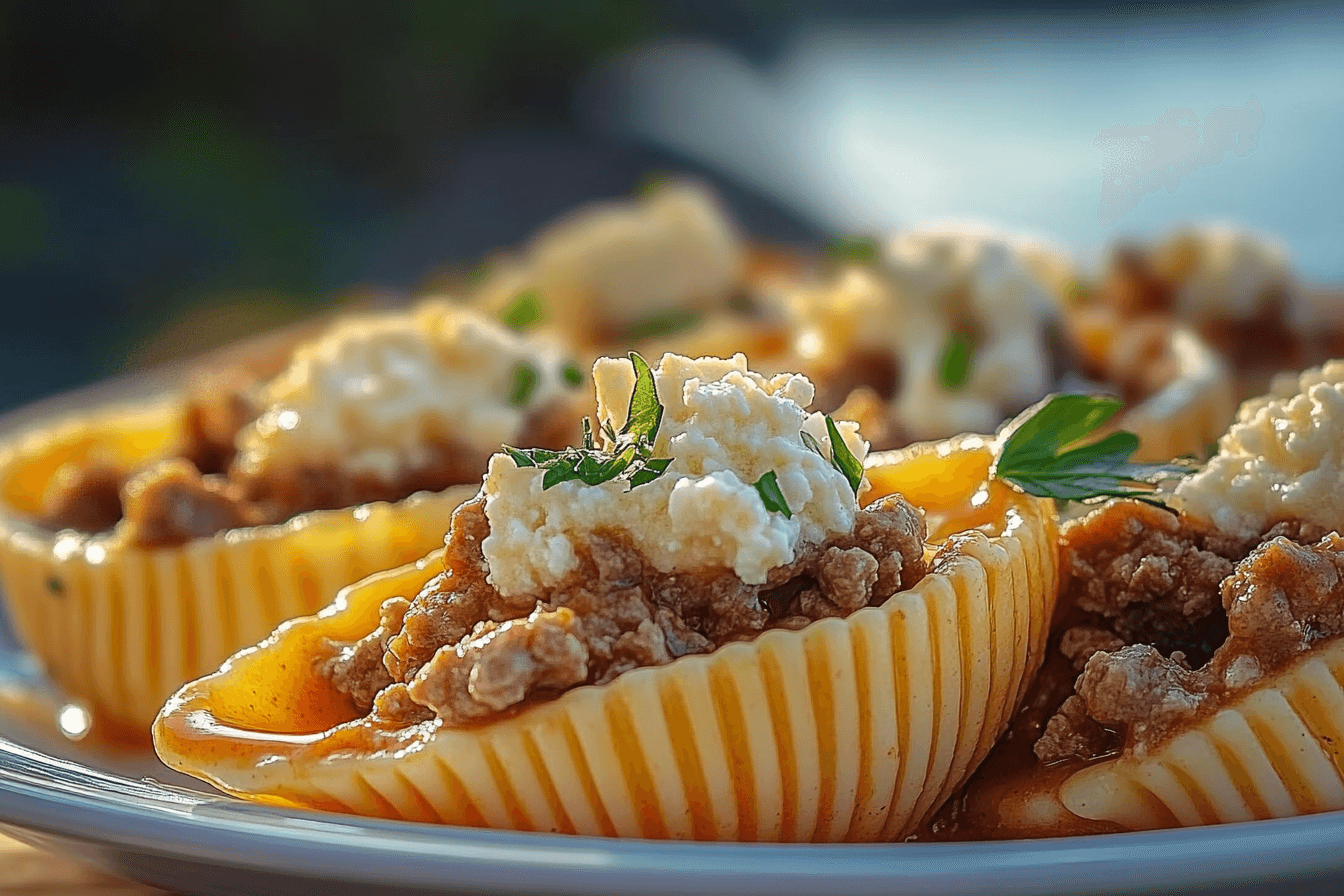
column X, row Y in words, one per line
column 724, row 428
column 376, row 393
column 952, row 281
column 928, row 286
column 612, row 265
column 1283, row 459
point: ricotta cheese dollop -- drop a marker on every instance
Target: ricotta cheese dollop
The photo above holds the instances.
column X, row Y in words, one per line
column 977, row 285
column 724, row 427
column 1283, row 459
column 611, row 265
column 377, row 392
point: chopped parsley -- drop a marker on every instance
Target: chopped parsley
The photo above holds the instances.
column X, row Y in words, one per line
column 523, row 384
column 524, row 312
column 954, row 362
column 773, row 499
column 629, row 456
column 840, row 456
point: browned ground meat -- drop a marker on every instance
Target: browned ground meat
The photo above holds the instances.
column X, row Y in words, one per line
column 1146, row 575
column 466, row 653
column 1180, row 619
column 217, row 407
column 282, row 492
column 1145, row 282
column 171, row 503
column 876, row 370
column 1134, row 286
column 201, row 492
column 83, row 496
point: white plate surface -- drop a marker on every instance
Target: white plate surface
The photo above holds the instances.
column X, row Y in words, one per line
column 128, row 814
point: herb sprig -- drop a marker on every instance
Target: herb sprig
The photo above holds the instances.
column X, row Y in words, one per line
column 1046, row 453
column 629, row 453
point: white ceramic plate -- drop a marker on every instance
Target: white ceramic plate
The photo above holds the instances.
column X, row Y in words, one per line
column 124, row 812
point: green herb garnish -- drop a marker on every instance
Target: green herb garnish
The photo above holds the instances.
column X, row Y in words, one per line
column 572, row 375
column 954, row 362
column 523, row 384
column 812, row 443
column 842, row 458
column 1046, row 453
column 773, row 499
column 645, row 413
column 629, row 453
column 664, row 323
column 862, row 249
column 524, row 311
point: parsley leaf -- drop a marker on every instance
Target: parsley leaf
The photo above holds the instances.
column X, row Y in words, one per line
column 842, row 458
column 1044, row 453
column 954, row 362
column 524, row 384
column 524, row 311
column 773, row 499
column 628, row 455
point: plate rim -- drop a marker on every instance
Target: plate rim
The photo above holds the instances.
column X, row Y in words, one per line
column 69, row 800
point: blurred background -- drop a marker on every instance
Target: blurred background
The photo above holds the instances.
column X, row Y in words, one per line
column 175, row 174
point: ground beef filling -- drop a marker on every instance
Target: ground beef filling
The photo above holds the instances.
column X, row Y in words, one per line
column 1141, row 284
column 1170, row 619
column 200, row 493
column 463, row 653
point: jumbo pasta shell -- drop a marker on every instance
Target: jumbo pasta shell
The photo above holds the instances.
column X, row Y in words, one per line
column 853, row 729
column 120, row 627
column 1275, row 752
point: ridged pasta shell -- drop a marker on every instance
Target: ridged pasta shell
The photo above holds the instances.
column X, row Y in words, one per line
column 1275, row 752
column 850, row 729
column 121, row 627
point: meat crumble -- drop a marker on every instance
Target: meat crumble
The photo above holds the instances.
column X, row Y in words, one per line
column 1174, row 618
column 201, row 491
column 463, row 653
